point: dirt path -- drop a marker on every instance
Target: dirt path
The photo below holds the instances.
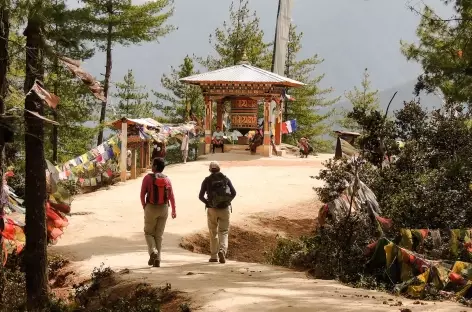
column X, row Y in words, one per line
column 107, row 228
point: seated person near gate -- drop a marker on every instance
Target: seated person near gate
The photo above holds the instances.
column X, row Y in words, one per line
column 305, row 147
column 257, row 140
column 218, row 140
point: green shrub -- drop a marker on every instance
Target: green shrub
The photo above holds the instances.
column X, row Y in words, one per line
column 96, row 295
column 429, row 186
column 174, row 154
column 334, row 252
column 282, row 253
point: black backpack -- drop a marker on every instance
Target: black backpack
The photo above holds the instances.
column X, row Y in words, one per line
column 219, row 192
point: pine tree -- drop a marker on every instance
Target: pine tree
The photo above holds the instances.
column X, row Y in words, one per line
column 112, row 22
column 180, row 98
column 364, row 98
column 35, row 254
column 72, row 138
column 15, row 101
column 75, row 108
column 311, row 108
column 242, row 34
column 444, row 51
column 4, row 34
column 133, row 100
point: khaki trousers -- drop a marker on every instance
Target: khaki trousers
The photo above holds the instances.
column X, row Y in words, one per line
column 155, row 217
column 185, row 154
column 218, row 225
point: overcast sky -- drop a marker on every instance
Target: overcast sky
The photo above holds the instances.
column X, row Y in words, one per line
column 349, row 35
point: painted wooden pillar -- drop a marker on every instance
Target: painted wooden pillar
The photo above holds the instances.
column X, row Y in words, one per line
column 124, row 149
column 208, row 120
column 267, row 118
column 219, row 114
column 147, row 149
column 134, row 174
column 278, row 123
column 141, row 159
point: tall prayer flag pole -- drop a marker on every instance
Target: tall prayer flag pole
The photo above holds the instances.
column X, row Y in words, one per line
column 282, row 33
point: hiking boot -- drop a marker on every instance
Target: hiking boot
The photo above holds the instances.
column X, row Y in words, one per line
column 222, row 256
column 152, row 259
column 157, row 263
column 213, row 260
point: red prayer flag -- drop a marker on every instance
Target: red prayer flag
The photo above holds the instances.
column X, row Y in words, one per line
column 36, row 114
column 284, row 128
column 51, row 99
column 95, row 87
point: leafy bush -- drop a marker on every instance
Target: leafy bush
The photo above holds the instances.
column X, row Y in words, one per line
column 427, row 184
column 105, row 292
column 174, row 154
column 283, row 253
column 335, row 251
column 13, row 296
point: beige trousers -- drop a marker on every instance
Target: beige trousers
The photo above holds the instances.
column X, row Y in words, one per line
column 184, row 154
column 155, row 217
column 218, row 225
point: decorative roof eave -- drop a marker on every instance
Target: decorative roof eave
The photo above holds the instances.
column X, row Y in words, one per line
column 254, row 90
column 241, row 74
column 237, row 83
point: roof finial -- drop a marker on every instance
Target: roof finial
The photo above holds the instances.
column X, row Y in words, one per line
column 244, row 59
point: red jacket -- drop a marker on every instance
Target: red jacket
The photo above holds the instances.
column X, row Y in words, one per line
column 146, row 189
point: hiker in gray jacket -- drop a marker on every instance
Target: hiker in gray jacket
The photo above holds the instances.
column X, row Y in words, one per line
column 219, row 193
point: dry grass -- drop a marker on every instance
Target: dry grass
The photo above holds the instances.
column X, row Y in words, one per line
column 250, row 240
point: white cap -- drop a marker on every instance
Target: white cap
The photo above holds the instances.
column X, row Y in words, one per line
column 214, row 165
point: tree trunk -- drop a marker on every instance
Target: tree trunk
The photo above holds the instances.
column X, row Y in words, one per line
column 4, row 34
column 55, row 135
column 55, row 132
column 107, row 74
column 35, row 254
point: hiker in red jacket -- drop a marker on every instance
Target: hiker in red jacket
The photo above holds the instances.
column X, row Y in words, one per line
column 156, row 193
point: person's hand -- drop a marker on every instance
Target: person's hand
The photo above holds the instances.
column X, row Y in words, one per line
column 174, row 214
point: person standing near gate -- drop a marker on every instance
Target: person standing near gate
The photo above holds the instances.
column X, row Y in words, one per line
column 219, row 193
column 156, row 193
column 184, row 147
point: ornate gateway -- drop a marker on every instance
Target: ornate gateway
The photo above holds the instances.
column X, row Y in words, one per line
column 243, row 113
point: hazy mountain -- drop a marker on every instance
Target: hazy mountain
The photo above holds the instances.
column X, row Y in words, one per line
column 404, row 94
